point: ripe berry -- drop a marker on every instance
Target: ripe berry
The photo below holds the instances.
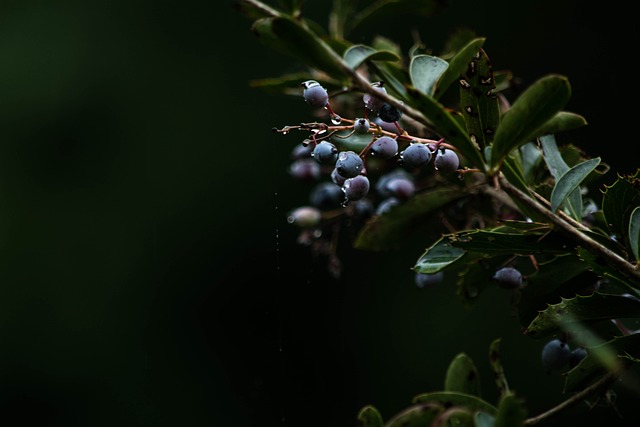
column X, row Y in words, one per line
column 337, row 178
column 555, row 354
column 508, row 278
column 423, row 280
column 383, row 181
column 577, row 354
column 446, row 160
column 415, row 155
column 401, row 187
column 315, row 95
column 325, row 153
column 389, row 127
column 305, row 170
column 389, row 113
column 356, row 188
column 349, row 164
column 326, row 196
column 371, row 102
column 361, row 125
column 384, row 147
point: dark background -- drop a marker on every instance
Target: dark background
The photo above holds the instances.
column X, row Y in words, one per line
column 148, row 276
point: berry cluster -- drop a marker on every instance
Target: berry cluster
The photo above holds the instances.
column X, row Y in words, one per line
column 356, row 182
column 558, row 355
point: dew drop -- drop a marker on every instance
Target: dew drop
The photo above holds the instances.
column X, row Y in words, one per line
column 336, row 119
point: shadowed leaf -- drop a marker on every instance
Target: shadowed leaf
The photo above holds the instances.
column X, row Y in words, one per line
column 356, row 55
column 451, row 398
column 425, row 70
column 457, row 65
column 634, row 232
column 462, row 376
column 570, row 181
column 420, row 415
column 369, row 416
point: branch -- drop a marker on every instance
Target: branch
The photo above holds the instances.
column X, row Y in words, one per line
column 582, row 239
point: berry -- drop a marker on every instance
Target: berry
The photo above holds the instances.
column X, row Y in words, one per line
column 389, row 127
column 315, row 95
column 555, row 354
column 389, row 113
column 415, row 155
column 325, row 153
column 577, row 354
column 423, row 280
column 446, row 160
column 337, row 178
column 361, row 126
column 305, row 217
column 349, row 164
column 401, row 187
column 383, row 181
column 302, row 150
column 508, row 278
column 305, row 170
column 326, row 195
column 384, row 147
column 356, row 188
column 371, row 102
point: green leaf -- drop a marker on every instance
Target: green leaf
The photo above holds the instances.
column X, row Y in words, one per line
column 618, row 201
column 452, row 398
column 457, row 65
column 339, row 15
column 570, row 181
column 634, row 232
column 384, row 9
column 293, row 38
column 502, row 241
column 447, row 126
column 358, row 54
column 420, row 415
column 478, row 102
column 496, row 367
column 462, row 376
column 563, row 121
column 437, row 257
column 369, row 416
column 534, row 107
column 385, row 232
column 557, row 167
column 511, row 412
column 425, row 70
column 600, row 359
column 590, row 308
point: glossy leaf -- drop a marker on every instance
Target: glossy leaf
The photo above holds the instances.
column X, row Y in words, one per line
column 634, row 232
column 419, row 415
column 356, row 55
column 457, row 65
column 425, row 70
column 570, row 181
column 386, row 231
column 582, row 309
column 557, row 167
column 539, row 103
column 462, row 376
column 437, row 257
column 452, row 398
column 448, row 126
column 478, row 102
column 563, row 121
column 369, row 416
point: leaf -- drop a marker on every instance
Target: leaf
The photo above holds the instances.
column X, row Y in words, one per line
column 293, row 38
column 478, row 103
column 383, row 9
column 590, row 308
column 356, row 55
column 385, row 231
column 369, row 416
column 634, row 232
column 447, row 126
column 534, row 107
column 598, row 361
column 563, row 121
column 496, row 367
column 339, row 15
column 511, row 412
column 419, row 415
column 501, row 241
column 437, row 257
column 570, row 181
column 457, row 65
column 618, row 201
column 425, row 70
column 462, row 376
column 452, row 398
column 608, row 271
column 557, row 168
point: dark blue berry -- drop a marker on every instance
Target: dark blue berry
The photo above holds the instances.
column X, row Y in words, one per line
column 415, row 155
column 446, row 160
column 325, row 153
column 349, row 164
column 508, row 278
column 389, row 113
column 361, row 125
column 555, row 354
column 356, row 188
column 384, row 147
column 371, row 102
column 423, row 280
column 326, row 195
column 315, row 95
